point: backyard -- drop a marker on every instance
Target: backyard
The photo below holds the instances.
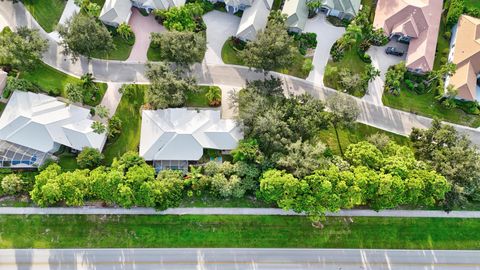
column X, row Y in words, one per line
column 80, row 231
column 54, row 82
column 46, row 12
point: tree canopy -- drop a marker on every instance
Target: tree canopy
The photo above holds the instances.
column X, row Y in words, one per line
column 23, row 49
column 182, row 48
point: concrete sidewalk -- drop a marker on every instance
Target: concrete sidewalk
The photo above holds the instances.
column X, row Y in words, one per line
column 229, row 211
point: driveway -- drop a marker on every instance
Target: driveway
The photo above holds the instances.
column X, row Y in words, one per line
column 327, row 34
column 382, row 61
column 220, row 26
column 142, row 26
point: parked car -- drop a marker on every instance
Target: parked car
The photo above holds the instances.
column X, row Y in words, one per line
column 394, row 51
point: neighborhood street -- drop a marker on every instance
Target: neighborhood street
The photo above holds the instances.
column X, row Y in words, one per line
column 225, row 259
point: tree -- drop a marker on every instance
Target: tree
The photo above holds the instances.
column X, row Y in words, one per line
column 247, row 151
column 168, row 88
column 214, row 96
column 380, row 140
column 349, row 81
column 303, row 158
column 184, row 18
column 445, row 70
column 93, row 9
column 83, row 35
column 88, row 81
column 182, row 48
column 114, row 127
column 273, row 49
column 452, row 155
column 11, row 184
column 280, row 187
column 75, row 92
column 98, row 127
column 89, row 158
column 450, row 95
column 125, row 31
column 46, row 192
column 344, row 112
column 102, row 111
column 394, row 78
column 364, row 154
column 22, row 50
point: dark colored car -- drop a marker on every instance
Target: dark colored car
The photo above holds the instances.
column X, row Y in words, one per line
column 394, row 51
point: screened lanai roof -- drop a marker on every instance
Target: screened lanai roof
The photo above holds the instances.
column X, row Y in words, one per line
column 17, row 156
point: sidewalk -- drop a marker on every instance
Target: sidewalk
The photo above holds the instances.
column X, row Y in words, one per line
column 230, row 211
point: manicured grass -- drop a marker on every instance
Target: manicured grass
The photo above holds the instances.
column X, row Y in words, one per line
column 198, row 99
column 230, row 56
column 352, row 61
column 427, row 105
column 122, row 49
column 53, row 81
column 154, row 54
column 473, row 3
column 68, row 161
column 359, row 132
column 46, row 12
column 129, row 113
column 208, row 201
column 43, row 231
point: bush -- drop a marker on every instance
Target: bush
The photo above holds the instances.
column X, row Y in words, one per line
column 305, row 41
column 12, row 184
column 410, row 85
column 114, row 127
column 455, row 9
column 470, row 107
column 447, row 35
column 365, row 57
column 307, row 65
column 89, row 158
column 336, row 53
column 18, row 84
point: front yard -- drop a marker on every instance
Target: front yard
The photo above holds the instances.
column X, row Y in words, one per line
column 81, row 231
column 46, row 12
column 122, row 48
column 54, row 82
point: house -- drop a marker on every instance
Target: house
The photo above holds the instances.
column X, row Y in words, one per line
column 297, row 14
column 36, row 125
column 116, row 12
column 465, row 54
column 171, row 138
column 342, row 9
column 415, row 22
column 254, row 20
column 233, row 6
column 3, row 80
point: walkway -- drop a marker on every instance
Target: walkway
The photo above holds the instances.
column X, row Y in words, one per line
column 327, row 34
column 220, row 27
column 229, row 211
column 238, row 258
column 142, row 26
column 112, row 97
column 379, row 116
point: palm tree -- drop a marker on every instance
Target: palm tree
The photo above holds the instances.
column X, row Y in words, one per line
column 125, row 31
column 98, row 127
column 214, row 96
column 88, row 81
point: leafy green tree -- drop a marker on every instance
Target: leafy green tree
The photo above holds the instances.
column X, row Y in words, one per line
column 364, row 154
column 83, row 35
column 445, row 70
column 281, row 188
column 75, row 92
column 380, row 140
column 22, row 50
column 303, row 158
column 46, row 192
column 114, row 127
column 73, row 186
column 273, row 49
column 98, row 127
column 89, row 158
column 344, row 112
column 394, row 78
column 11, row 184
column 214, row 96
column 168, row 88
column 125, row 31
column 88, row 81
column 181, row 48
column 184, row 18
column 247, row 151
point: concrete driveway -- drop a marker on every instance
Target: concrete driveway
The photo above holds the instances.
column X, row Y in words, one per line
column 382, row 61
column 327, row 34
column 220, row 26
column 142, row 26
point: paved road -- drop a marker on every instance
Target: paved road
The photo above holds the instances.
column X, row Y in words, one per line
column 379, row 116
column 228, row 211
column 225, row 259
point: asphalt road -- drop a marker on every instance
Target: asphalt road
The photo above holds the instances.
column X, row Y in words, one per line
column 226, row 259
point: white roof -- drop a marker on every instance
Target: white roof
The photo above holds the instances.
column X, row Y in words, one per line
column 297, row 13
column 238, row 3
column 182, row 134
column 3, row 79
column 254, row 19
column 116, row 12
column 159, row 4
column 39, row 122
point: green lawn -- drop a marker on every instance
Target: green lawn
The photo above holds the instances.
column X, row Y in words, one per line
column 44, row 231
column 68, row 161
column 359, row 132
column 427, row 105
column 46, row 12
column 198, row 99
column 122, row 49
column 352, row 61
column 443, row 44
column 473, row 3
column 129, row 113
column 154, row 54
column 209, row 201
column 230, row 56
column 53, row 81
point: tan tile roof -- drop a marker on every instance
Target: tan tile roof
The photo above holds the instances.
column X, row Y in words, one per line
column 419, row 19
column 466, row 56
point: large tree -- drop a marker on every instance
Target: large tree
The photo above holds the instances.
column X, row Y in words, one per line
column 83, row 35
column 273, row 48
column 168, row 87
column 21, row 50
column 344, row 112
column 182, row 48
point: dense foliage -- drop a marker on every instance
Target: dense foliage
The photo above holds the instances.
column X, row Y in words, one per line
column 184, row 18
column 21, row 50
column 182, row 48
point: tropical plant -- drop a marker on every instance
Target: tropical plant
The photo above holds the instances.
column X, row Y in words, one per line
column 214, row 96
column 98, row 127
column 125, row 31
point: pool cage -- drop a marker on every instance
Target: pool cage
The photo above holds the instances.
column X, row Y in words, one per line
column 17, row 156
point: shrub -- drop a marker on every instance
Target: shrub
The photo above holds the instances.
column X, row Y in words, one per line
column 447, row 35
column 114, row 127
column 307, row 65
column 455, row 9
column 12, row 184
column 18, row 84
column 305, row 41
column 410, row 85
column 89, row 158
column 365, row 57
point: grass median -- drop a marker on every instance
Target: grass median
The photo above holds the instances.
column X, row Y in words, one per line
column 87, row 231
